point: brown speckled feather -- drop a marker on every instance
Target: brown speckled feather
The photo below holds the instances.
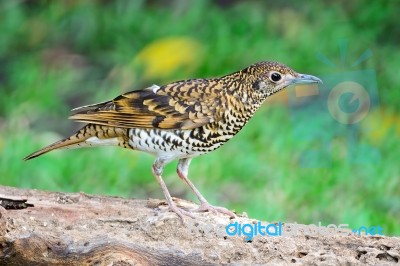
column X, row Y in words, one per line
column 179, row 105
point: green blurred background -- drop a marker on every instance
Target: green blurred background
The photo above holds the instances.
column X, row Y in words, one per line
column 57, row 55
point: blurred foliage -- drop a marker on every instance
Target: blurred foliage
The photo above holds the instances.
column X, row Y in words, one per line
column 57, row 55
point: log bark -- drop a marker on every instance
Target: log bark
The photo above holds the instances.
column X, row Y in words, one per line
column 52, row 228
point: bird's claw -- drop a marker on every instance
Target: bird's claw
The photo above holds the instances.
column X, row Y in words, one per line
column 181, row 212
column 205, row 206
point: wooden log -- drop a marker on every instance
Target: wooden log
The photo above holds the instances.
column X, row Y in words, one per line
column 81, row 229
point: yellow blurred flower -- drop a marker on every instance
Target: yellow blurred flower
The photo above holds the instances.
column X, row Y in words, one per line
column 378, row 123
column 161, row 58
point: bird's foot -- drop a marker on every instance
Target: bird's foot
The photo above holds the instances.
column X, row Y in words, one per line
column 205, row 206
column 181, row 212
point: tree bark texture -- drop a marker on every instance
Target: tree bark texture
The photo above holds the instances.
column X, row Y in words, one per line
column 53, row 228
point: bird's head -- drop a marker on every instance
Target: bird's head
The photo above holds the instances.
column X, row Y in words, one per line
column 271, row 77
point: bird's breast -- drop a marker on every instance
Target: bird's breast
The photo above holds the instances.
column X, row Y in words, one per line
column 173, row 144
column 179, row 143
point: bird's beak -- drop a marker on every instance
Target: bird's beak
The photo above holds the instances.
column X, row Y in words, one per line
column 304, row 79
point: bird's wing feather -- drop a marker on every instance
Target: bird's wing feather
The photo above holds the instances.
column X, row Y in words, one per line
column 179, row 105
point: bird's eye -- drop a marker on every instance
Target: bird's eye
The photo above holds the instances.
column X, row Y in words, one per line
column 275, row 76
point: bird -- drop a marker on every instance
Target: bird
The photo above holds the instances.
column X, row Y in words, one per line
column 181, row 120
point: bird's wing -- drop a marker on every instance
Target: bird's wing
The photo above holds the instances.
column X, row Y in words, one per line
column 180, row 105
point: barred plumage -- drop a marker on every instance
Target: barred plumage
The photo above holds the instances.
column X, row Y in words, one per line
column 180, row 120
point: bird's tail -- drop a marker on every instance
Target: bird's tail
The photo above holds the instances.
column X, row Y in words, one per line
column 89, row 135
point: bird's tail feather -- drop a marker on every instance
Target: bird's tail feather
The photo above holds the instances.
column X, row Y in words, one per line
column 89, row 135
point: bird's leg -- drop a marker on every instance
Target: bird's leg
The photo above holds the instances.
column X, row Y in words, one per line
column 158, row 167
column 182, row 170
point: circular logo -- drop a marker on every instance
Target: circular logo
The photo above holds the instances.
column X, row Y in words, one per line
column 359, row 94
